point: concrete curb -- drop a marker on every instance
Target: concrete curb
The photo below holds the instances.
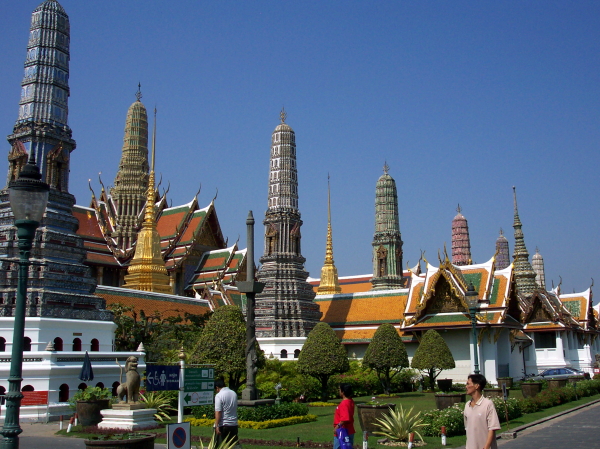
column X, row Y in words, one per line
column 516, row 430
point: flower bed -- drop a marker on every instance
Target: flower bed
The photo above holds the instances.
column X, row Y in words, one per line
column 203, row 422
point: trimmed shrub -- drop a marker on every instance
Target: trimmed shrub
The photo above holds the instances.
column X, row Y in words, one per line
column 257, row 425
column 257, row 414
column 529, row 405
column 512, row 404
column 452, row 418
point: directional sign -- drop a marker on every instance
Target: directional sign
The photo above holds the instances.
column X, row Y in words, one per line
column 198, row 386
column 179, row 436
column 162, row 378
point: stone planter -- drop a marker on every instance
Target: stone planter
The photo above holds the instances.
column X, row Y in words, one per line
column 445, row 385
column 494, row 393
column 369, row 414
column 531, row 389
column 508, row 381
column 140, row 441
column 575, row 379
column 557, row 383
column 88, row 412
column 447, row 400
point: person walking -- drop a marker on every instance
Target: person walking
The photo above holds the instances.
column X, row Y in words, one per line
column 481, row 419
column 226, row 421
column 344, row 415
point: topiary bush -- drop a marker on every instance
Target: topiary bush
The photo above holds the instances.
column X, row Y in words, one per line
column 256, row 414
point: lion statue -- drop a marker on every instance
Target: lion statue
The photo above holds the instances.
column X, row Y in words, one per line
column 131, row 386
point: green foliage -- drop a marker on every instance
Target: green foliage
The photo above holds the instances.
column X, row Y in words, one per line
column 322, row 356
column 257, row 414
column 162, row 337
column 294, row 385
column 432, row 356
column 223, row 344
column 451, row 417
column 160, row 401
column 386, row 354
column 513, row 406
column 529, row 405
column 228, row 443
column 398, row 424
column 259, row 425
column 91, row 394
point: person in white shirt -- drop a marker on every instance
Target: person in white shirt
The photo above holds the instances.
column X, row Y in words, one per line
column 481, row 419
column 226, row 421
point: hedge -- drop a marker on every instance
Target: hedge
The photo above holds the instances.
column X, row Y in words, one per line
column 257, row 425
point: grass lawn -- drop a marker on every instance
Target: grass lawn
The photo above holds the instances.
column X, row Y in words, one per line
column 322, row 429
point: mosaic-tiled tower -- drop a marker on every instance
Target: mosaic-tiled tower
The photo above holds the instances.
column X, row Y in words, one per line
column 285, row 308
column 502, row 252
column 387, row 241
column 131, row 182
column 61, row 286
column 330, row 283
column 537, row 262
column 523, row 271
column 461, row 242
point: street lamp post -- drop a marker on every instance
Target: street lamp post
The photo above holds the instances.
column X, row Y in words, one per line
column 28, row 197
column 473, row 303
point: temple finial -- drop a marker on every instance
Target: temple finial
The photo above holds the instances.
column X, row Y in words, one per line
column 138, row 94
column 458, row 209
column 386, row 168
column 283, row 115
column 501, row 231
column 153, row 141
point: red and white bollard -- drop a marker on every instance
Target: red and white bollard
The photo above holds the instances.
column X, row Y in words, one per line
column 411, row 440
column 60, row 423
column 76, row 418
column 365, row 440
column 71, row 422
column 443, row 435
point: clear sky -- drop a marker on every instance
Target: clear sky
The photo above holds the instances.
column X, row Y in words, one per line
column 462, row 99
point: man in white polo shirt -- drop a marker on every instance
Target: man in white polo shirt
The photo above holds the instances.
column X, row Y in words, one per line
column 481, row 419
column 226, row 422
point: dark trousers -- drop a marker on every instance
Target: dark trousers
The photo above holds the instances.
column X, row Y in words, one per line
column 228, row 433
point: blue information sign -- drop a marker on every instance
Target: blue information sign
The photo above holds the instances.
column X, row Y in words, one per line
column 162, row 377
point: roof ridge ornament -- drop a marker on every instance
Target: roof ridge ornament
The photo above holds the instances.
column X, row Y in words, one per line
column 386, row 168
column 283, row 115
column 458, row 209
column 138, row 94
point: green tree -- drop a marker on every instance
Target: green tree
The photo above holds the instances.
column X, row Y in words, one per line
column 386, row 354
column 223, row 344
column 432, row 356
column 322, row 356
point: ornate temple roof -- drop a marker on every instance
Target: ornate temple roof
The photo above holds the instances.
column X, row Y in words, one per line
column 329, row 276
column 524, row 274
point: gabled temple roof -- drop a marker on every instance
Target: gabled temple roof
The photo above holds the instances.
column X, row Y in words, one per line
column 218, row 266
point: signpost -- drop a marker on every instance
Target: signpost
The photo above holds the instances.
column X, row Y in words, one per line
column 198, row 386
column 162, row 378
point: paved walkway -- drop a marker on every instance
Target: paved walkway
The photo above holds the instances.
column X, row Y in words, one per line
column 577, row 430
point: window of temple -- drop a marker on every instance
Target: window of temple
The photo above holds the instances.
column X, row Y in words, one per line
column 27, row 344
column 28, row 388
column 100, row 385
column 82, row 386
column 2, row 344
column 77, row 344
column 58, row 344
column 95, row 345
column 115, row 385
column 296, row 353
column 545, row 340
column 283, row 354
column 63, row 393
column 2, row 391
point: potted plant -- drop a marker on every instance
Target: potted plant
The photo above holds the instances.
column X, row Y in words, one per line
column 447, row 400
column 495, row 392
column 530, row 388
column 445, row 385
column 122, row 441
column 88, row 404
column 508, row 381
column 397, row 425
column 370, row 412
column 575, row 379
column 557, row 383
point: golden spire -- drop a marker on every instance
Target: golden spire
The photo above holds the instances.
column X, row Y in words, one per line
column 147, row 270
column 330, row 284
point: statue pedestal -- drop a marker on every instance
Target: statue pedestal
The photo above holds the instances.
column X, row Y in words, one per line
column 128, row 417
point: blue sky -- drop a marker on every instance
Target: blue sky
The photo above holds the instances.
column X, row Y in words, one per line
column 462, row 99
